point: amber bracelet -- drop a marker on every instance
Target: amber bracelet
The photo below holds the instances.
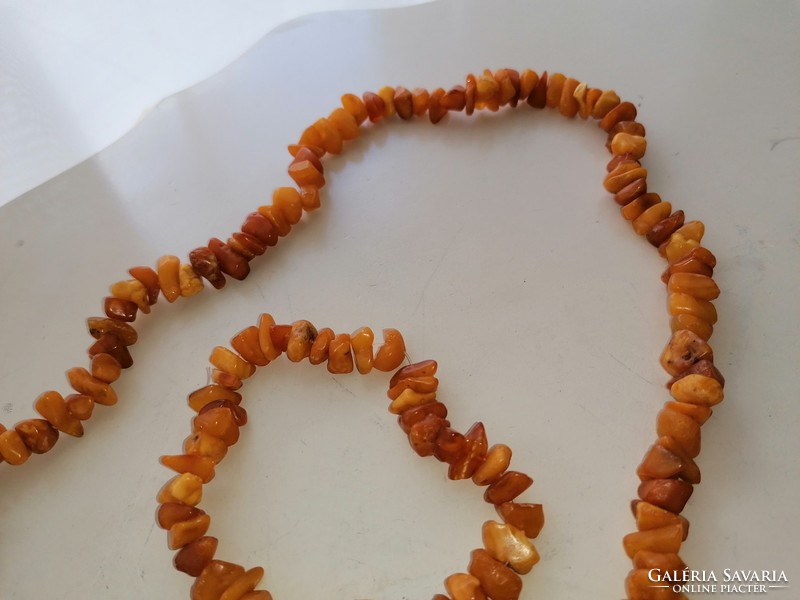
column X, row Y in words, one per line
column 667, row 472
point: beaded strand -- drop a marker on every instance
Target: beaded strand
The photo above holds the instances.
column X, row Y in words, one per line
column 668, row 472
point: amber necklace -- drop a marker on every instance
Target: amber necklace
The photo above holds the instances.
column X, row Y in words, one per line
column 667, row 472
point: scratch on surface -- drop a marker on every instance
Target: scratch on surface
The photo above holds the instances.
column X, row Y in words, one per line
column 438, row 265
column 343, row 386
column 781, row 140
column 627, row 368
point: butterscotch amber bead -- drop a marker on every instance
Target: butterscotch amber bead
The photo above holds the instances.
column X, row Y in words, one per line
column 309, row 198
column 555, row 85
column 185, row 532
column 167, row 268
column 37, row 434
column 12, row 448
column 473, row 455
column 218, row 422
column 99, row 326
column 497, row 580
column 386, row 94
column 699, row 413
column 246, row 343
column 422, row 385
column 403, row 103
column 683, row 350
column 436, row 112
column 215, row 578
column 527, row 83
column 312, row 138
column 230, row 262
column 189, row 282
column 630, row 127
column 419, row 98
column 538, row 97
column 239, row 414
column 683, row 429
column 626, row 143
column 280, row 336
column 391, row 353
column 414, row 415
column 669, row 494
column 701, row 367
column 425, row 368
column 205, row 444
column 202, row 466
column 510, row 86
column 230, row 362
column 662, row 230
column 134, row 291
column 106, row 368
column 225, row 379
column 697, row 389
column 593, row 95
column 568, row 105
column 649, row 516
column 507, row 487
column 340, row 355
column 311, row 154
column 331, row 138
column 633, row 209
column 423, row 434
column 665, row 561
column 51, row 406
column 693, row 230
column 361, row 342
column 524, row 516
column 677, row 247
column 698, row 286
column 639, row 586
column 607, row 100
column 82, row 381
column 80, row 406
column 287, row 200
column 149, row 280
column 410, row 399
column 204, row 262
column 301, row 338
column 624, row 175
column 265, row 324
column 463, row 586
column 497, row 460
column 194, row 557
column 355, row 107
column 170, row 513
column 663, row 539
column 697, row 260
column 209, row 393
column 509, row 545
column 680, row 303
column 345, row 123
column 260, row 228
column 631, row 191
column 305, row 173
column 318, row 353
column 186, row 488
column 625, row 111
column 244, row 584
column 487, row 88
column 659, row 463
column 119, row 309
column 454, row 99
column 645, row 222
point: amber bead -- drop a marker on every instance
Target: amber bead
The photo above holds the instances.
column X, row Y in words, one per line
column 243, row 585
column 629, row 127
column 624, row 111
column 436, row 112
column 669, row 494
column 12, row 448
column 510, row 85
column 375, row 106
column 662, row 230
column 189, row 282
column 301, row 338
column 631, row 191
column 105, row 368
column 682, row 428
column 497, row 460
column 194, row 557
column 119, row 309
column 287, row 200
column 185, row 532
column 701, row 367
column 218, row 422
column 422, row 385
column 225, row 379
column 276, row 217
column 462, row 586
column 230, row 262
column 454, row 99
column 149, row 279
column 205, row 444
column 80, row 406
column 419, row 98
column 309, row 197
column 633, row 209
column 239, row 414
column 265, row 324
column 313, row 155
column 626, row 143
column 509, row 545
column 507, row 487
column 527, row 82
column 697, row 389
column 680, row 303
column 340, row 355
column 230, row 362
column 663, row 539
column 593, row 95
column 361, row 342
column 473, row 455
column 414, row 415
column 209, row 393
column 111, row 344
column 699, row 413
column 246, row 343
column 205, row 263
column 51, row 406
column 280, row 336
column 555, row 85
column 37, row 434
column 132, row 290
column 538, row 96
column 423, row 434
column 450, row 445
column 355, row 107
column 425, row 368
column 524, row 516
column 82, row 381
column 683, row 350
column 318, row 352
column 699, row 286
column 202, row 466
column 261, row 228
column 345, row 123
column 409, row 399
column 391, row 353
column 167, row 268
column 185, row 488
column 624, row 175
column 311, row 137
column 497, row 580
column 677, row 247
column 568, row 105
column 170, row 513
column 697, row 260
column 659, row 463
column 607, row 100
column 215, row 578
column 386, row 94
column 99, row 326
column 639, row 586
column 645, row 559
column 649, row 516
column 403, row 103
column 470, row 93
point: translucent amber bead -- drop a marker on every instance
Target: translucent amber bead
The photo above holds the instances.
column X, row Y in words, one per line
column 202, row 466
column 149, row 279
column 450, row 445
column 497, row 460
column 509, row 545
column 355, row 107
column 301, row 338
column 524, row 516
column 265, row 324
column 662, row 230
column 167, row 268
column 82, row 381
column 52, row 406
column 185, row 532
column 194, row 557
column 497, row 580
column 99, row 326
column 607, row 100
column 244, row 584
column 410, row 399
column 507, row 487
column 189, row 282
column 669, row 494
column 218, row 422
column 119, row 309
column 361, row 341
column 473, row 456
column 228, row 361
column 205, row 444
column 415, row 415
column 422, row 435
column 247, row 344
column 287, row 200
column 215, row 578
column 12, row 448
column 37, row 434
column 645, row 222
column 649, row 516
column 186, row 488
column 391, row 353
column 421, row 385
column 462, row 586
column 340, row 356
column 663, row 539
column 697, row 389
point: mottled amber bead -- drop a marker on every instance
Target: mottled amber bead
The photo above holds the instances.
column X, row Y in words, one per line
column 106, row 368
column 230, row 262
column 167, row 268
column 624, row 111
column 37, row 434
column 425, row 368
column 422, row 435
column 682, row 428
column 305, row 173
column 185, row 532
column 318, row 353
column 244, row 584
column 340, row 355
column 202, row 466
column 669, row 494
column 701, row 367
column 663, row 539
column 683, row 350
column 649, row 516
column 497, row 460
column 665, row 561
column 265, row 324
column 509, row 545
column 149, row 280
column 410, row 399
column 215, row 578
column 205, row 263
column 99, row 326
column 361, row 341
column 419, row 98
column 12, row 449
column 119, row 309
column 230, row 362
column 697, row 389
column 194, row 557
column 473, row 455
column 524, row 516
column 205, row 444
column 185, row 488
column 246, row 343
column 507, row 487
column 626, row 143
column 662, row 230
column 463, row 586
column 355, row 107
column 607, row 100
column 391, row 353
column 418, row 413
column 261, row 228
column 218, row 422
column 301, row 338
column 436, row 112
column 189, row 282
column 497, row 580
column 80, row 406
column 52, row 406
column 450, row 445
column 134, row 291
column 82, row 381
column 111, row 344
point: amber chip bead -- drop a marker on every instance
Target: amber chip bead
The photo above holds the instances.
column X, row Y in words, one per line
column 214, row 579
column 52, row 406
column 527, row 517
column 37, row 434
column 507, row 487
column 193, row 557
column 497, row 580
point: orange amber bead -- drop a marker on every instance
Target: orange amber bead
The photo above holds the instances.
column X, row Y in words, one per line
column 526, row 517
column 649, row 516
column 170, row 513
column 149, row 280
column 205, row 444
column 663, row 539
column 403, row 103
column 194, row 557
column 391, row 353
column 449, row 446
column 119, row 309
column 497, row 580
column 507, row 487
column 340, row 356
column 692, row 323
column 80, row 406
column 462, row 586
column 361, row 341
column 409, row 399
column 51, row 406
column 167, row 268
column 422, row 385
column 683, row 350
column 105, row 368
column 230, row 362
column 218, row 422
column 355, row 107
column 82, row 381
column 301, row 338
column 697, row 389
column 345, row 123
column 681, row 428
column 246, row 343
column 287, row 201
column 304, row 173
column 497, row 460
column 12, row 449
column 202, row 466
column 265, row 324
column 419, row 99
column 417, row 414
column 680, row 303
column 318, row 353
column 422, row 435
column 426, row 368
column 99, row 326
column 509, row 545
column 185, row 532
column 37, row 434
column 186, row 488
column 474, row 453
column 244, row 584
column 669, row 494
column 215, row 578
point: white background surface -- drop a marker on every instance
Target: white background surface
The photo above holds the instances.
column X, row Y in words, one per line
column 489, row 242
